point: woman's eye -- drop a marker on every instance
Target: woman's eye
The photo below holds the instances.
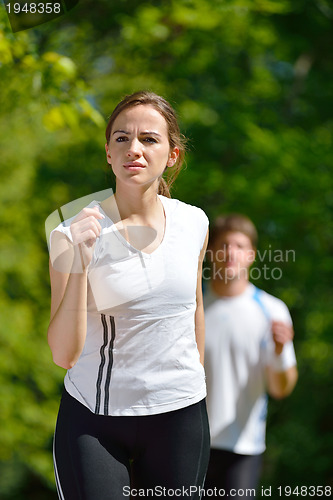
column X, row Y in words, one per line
column 121, row 139
column 150, row 139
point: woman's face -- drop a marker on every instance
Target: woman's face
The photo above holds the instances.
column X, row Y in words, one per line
column 139, row 149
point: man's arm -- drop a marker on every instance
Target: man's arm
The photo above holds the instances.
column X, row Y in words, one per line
column 280, row 379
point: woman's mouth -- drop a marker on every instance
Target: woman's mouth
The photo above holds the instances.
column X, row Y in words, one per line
column 133, row 165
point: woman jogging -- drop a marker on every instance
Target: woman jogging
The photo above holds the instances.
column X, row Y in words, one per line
column 127, row 323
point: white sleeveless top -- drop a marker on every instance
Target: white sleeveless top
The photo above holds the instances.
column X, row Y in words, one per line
column 140, row 355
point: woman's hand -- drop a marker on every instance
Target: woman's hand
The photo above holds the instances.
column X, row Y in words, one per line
column 85, row 230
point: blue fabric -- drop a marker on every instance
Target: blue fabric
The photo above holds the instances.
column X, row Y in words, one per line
column 257, row 297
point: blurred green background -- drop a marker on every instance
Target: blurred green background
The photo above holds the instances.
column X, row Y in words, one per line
column 252, row 83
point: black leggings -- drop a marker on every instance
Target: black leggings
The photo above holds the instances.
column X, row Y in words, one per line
column 235, row 474
column 100, row 457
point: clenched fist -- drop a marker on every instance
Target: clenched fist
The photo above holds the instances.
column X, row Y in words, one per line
column 85, row 230
column 282, row 333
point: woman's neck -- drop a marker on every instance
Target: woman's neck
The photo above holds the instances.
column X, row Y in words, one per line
column 135, row 206
column 139, row 216
column 137, row 203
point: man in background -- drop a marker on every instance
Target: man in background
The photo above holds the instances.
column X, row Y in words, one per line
column 249, row 353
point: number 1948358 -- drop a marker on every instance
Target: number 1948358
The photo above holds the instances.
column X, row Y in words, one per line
column 33, row 8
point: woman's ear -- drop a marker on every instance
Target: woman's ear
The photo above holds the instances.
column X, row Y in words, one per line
column 173, row 156
column 108, row 156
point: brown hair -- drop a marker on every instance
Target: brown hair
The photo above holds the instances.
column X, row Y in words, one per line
column 236, row 223
column 176, row 139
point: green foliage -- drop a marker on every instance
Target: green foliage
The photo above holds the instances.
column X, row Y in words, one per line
column 250, row 80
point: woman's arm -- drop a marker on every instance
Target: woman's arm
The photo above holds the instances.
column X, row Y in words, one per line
column 68, row 275
column 199, row 313
column 67, row 329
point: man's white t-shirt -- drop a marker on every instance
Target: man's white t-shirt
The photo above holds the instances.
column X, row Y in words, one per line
column 140, row 356
column 239, row 346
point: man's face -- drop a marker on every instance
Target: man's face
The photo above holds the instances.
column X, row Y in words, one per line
column 232, row 254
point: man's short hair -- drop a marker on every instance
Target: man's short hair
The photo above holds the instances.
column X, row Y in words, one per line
column 233, row 223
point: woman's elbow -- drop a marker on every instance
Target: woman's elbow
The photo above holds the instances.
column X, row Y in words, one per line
column 61, row 358
column 63, row 363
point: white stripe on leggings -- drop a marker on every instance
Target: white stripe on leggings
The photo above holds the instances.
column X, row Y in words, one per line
column 59, row 489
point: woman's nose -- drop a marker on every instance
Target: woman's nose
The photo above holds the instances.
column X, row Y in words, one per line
column 134, row 149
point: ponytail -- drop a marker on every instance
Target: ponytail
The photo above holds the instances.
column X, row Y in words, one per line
column 163, row 188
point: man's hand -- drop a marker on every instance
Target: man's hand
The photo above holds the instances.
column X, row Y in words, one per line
column 282, row 333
